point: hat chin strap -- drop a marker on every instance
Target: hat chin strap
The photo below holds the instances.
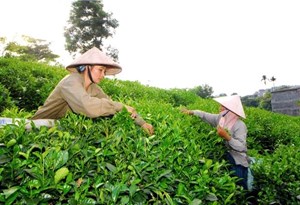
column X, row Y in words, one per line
column 90, row 75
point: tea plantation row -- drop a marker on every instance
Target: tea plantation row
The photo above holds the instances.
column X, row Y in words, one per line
column 113, row 161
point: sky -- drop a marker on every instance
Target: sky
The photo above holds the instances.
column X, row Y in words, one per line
column 226, row 44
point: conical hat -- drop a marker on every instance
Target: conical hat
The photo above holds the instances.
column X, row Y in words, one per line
column 232, row 103
column 95, row 57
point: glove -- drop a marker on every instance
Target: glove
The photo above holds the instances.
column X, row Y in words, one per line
column 223, row 133
column 132, row 111
column 186, row 111
column 148, row 128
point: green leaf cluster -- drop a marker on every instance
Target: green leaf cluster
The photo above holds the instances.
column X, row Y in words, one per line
column 28, row 83
column 5, row 98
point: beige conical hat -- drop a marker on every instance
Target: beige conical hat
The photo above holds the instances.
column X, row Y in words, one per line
column 232, row 103
column 95, row 57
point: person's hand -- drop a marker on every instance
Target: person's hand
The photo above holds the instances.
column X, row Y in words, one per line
column 186, row 111
column 223, row 133
column 148, row 128
column 132, row 111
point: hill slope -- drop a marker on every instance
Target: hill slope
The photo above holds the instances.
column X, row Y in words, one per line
column 113, row 161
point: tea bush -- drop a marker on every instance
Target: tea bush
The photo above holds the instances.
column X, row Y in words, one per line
column 113, row 161
column 278, row 177
column 5, row 99
column 29, row 83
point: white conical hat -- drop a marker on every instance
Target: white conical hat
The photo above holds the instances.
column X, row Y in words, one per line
column 232, row 103
column 95, row 57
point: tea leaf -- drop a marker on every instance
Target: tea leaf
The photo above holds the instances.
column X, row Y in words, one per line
column 60, row 174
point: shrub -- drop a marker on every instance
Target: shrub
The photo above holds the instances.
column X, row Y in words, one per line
column 5, row 99
column 112, row 161
column 29, row 83
column 277, row 176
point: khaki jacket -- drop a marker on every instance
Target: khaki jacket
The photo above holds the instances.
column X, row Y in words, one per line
column 70, row 95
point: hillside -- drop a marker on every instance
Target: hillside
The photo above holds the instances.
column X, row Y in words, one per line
column 113, row 161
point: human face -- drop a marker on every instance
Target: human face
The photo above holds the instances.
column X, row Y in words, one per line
column 223, row 110
column 98, row 73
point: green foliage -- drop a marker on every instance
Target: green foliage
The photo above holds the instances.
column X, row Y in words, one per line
column 204, row 91
column 250, row 101
column 15, row 112
column 268, row 130
column 32, row 50
column 29, row 83
column 136, row 91
column 265, row 101
column 182, row 97
column 112, row 161
column 5, row 99
column 277, row 176
column 88, row 26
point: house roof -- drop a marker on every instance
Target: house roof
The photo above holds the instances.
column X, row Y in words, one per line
column 287, row 89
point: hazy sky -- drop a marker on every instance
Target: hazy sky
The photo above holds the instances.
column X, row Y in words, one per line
column 228, row 45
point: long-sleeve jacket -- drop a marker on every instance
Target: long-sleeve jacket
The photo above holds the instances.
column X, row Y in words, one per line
column 70, row 95
column 237, row 145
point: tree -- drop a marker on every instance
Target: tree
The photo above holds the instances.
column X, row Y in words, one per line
column 88, row 26
column 273, row 81
column 113, row 52
column 265, row 101
column 29, row 49
column 2, row 43
column 221, row 95
column 250, row 101
column 264, row 79
column 204, row 91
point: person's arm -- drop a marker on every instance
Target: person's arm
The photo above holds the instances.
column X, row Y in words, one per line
column 133, row 113
column 139, row 120
column 211, row 119
column 98, row 104
column 186, row 111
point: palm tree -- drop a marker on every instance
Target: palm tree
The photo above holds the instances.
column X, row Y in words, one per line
column 264, row 78
column 273, row 80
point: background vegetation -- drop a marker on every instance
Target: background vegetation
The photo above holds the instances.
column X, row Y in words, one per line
column 113, row 161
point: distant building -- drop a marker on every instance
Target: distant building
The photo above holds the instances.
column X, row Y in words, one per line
column 286, row 101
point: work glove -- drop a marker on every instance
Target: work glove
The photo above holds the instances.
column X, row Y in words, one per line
column 223, row 133
column 148, row 128
column 132, row 111
column 186, row 111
